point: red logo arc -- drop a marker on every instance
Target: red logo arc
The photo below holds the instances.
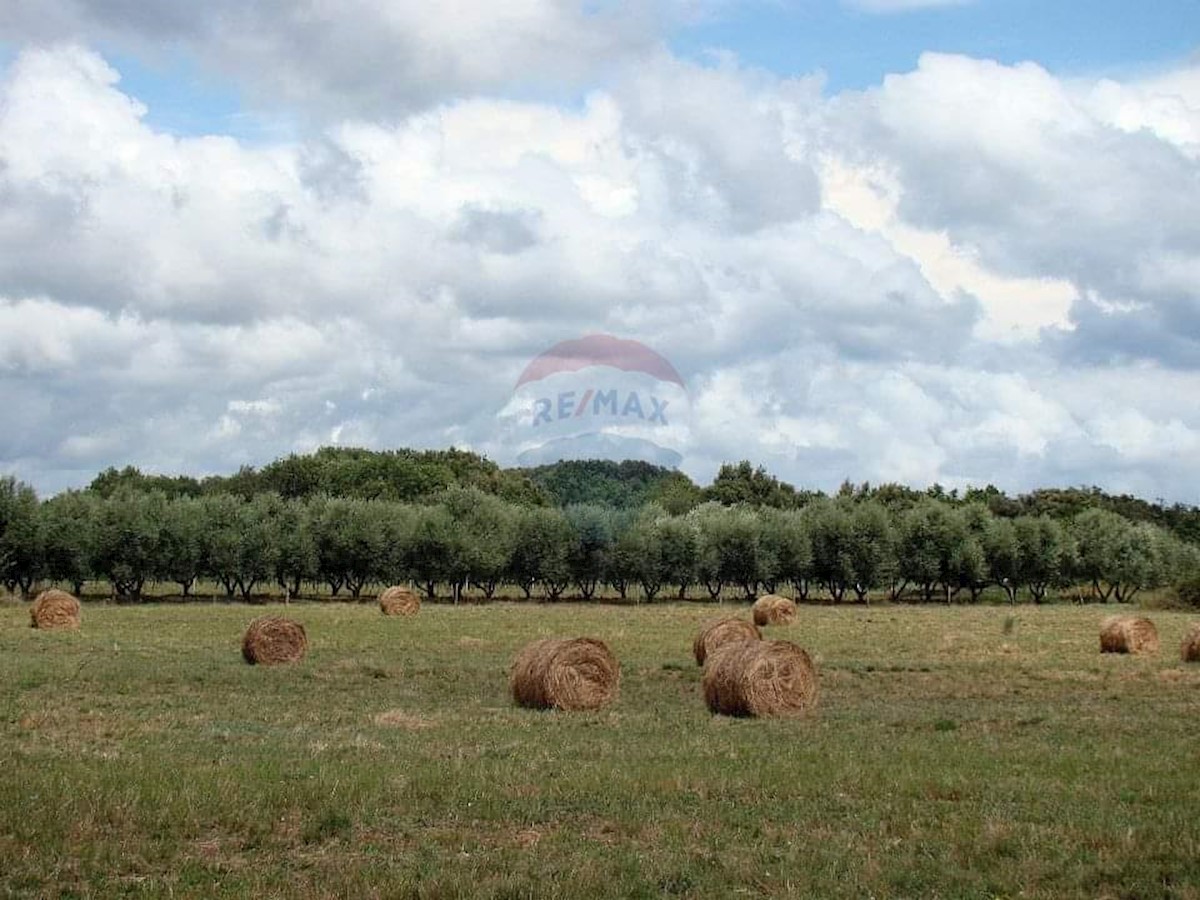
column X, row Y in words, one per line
column 600, row 350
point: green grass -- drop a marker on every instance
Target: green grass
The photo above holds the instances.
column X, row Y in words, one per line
column 962, row 752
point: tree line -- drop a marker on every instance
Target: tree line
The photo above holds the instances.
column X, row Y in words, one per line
column 469, row 541
column 416, row 476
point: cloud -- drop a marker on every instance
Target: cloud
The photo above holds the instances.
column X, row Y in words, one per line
column 362, row 57
column 1082, row 183
column 498, row 231
column 833, row 276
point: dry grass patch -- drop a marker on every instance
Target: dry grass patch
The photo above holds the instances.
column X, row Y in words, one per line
column 399, row 718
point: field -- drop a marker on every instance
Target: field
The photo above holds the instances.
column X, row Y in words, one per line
column 958, row 752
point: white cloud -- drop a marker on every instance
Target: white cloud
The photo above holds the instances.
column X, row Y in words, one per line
column 872, row 286
column 1015, row 308
column 366, row 57
column 1031, row 175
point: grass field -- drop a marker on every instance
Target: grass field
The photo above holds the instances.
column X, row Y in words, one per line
column 958, row 752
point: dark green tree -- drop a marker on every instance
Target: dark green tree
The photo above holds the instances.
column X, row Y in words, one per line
column 68, row 529
column 20, row 536
column 128, row 547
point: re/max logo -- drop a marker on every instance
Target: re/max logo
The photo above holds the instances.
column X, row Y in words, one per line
column 611, row 402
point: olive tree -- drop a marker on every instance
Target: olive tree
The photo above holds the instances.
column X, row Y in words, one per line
column 541, row 551
column 68, row 530
column 1046, row 554
column 128, row 531
column 592, row 549
column 20, row 536
column 181, row 543
column 679, row 545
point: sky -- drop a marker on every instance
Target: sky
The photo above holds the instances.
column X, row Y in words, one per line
column 885, row 240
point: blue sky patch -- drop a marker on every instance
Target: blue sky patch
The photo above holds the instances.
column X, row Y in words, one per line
column 856, row 48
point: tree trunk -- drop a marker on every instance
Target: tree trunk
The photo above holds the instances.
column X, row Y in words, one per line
column 129, row 591
column 1125, row 594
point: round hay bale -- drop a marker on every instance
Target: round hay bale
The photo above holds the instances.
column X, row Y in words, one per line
column 1189, row 650
column 1112, row 639
column 399, row 601
column 760, row 678
column 1128, row 634
column 274, row 639
column 772, row 609
column 54, row 609
column 565, row 673
column 730, row 630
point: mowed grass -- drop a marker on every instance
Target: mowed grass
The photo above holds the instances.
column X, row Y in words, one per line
column 958, row 752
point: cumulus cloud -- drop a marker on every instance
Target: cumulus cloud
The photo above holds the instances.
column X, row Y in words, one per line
column 1087, row 183
column 832, row 275
column 366, row 57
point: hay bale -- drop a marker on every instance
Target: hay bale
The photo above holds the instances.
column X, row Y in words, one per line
column 274, row 639
column 760, row 678
column 730, row 630
column 1189, row 650
column 54, row 609
column 1128, row 634
column 1111, row 638
column 399, row 601
column 565, row 673
column 772, row 609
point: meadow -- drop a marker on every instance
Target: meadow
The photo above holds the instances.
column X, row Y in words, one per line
column 980, row 751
